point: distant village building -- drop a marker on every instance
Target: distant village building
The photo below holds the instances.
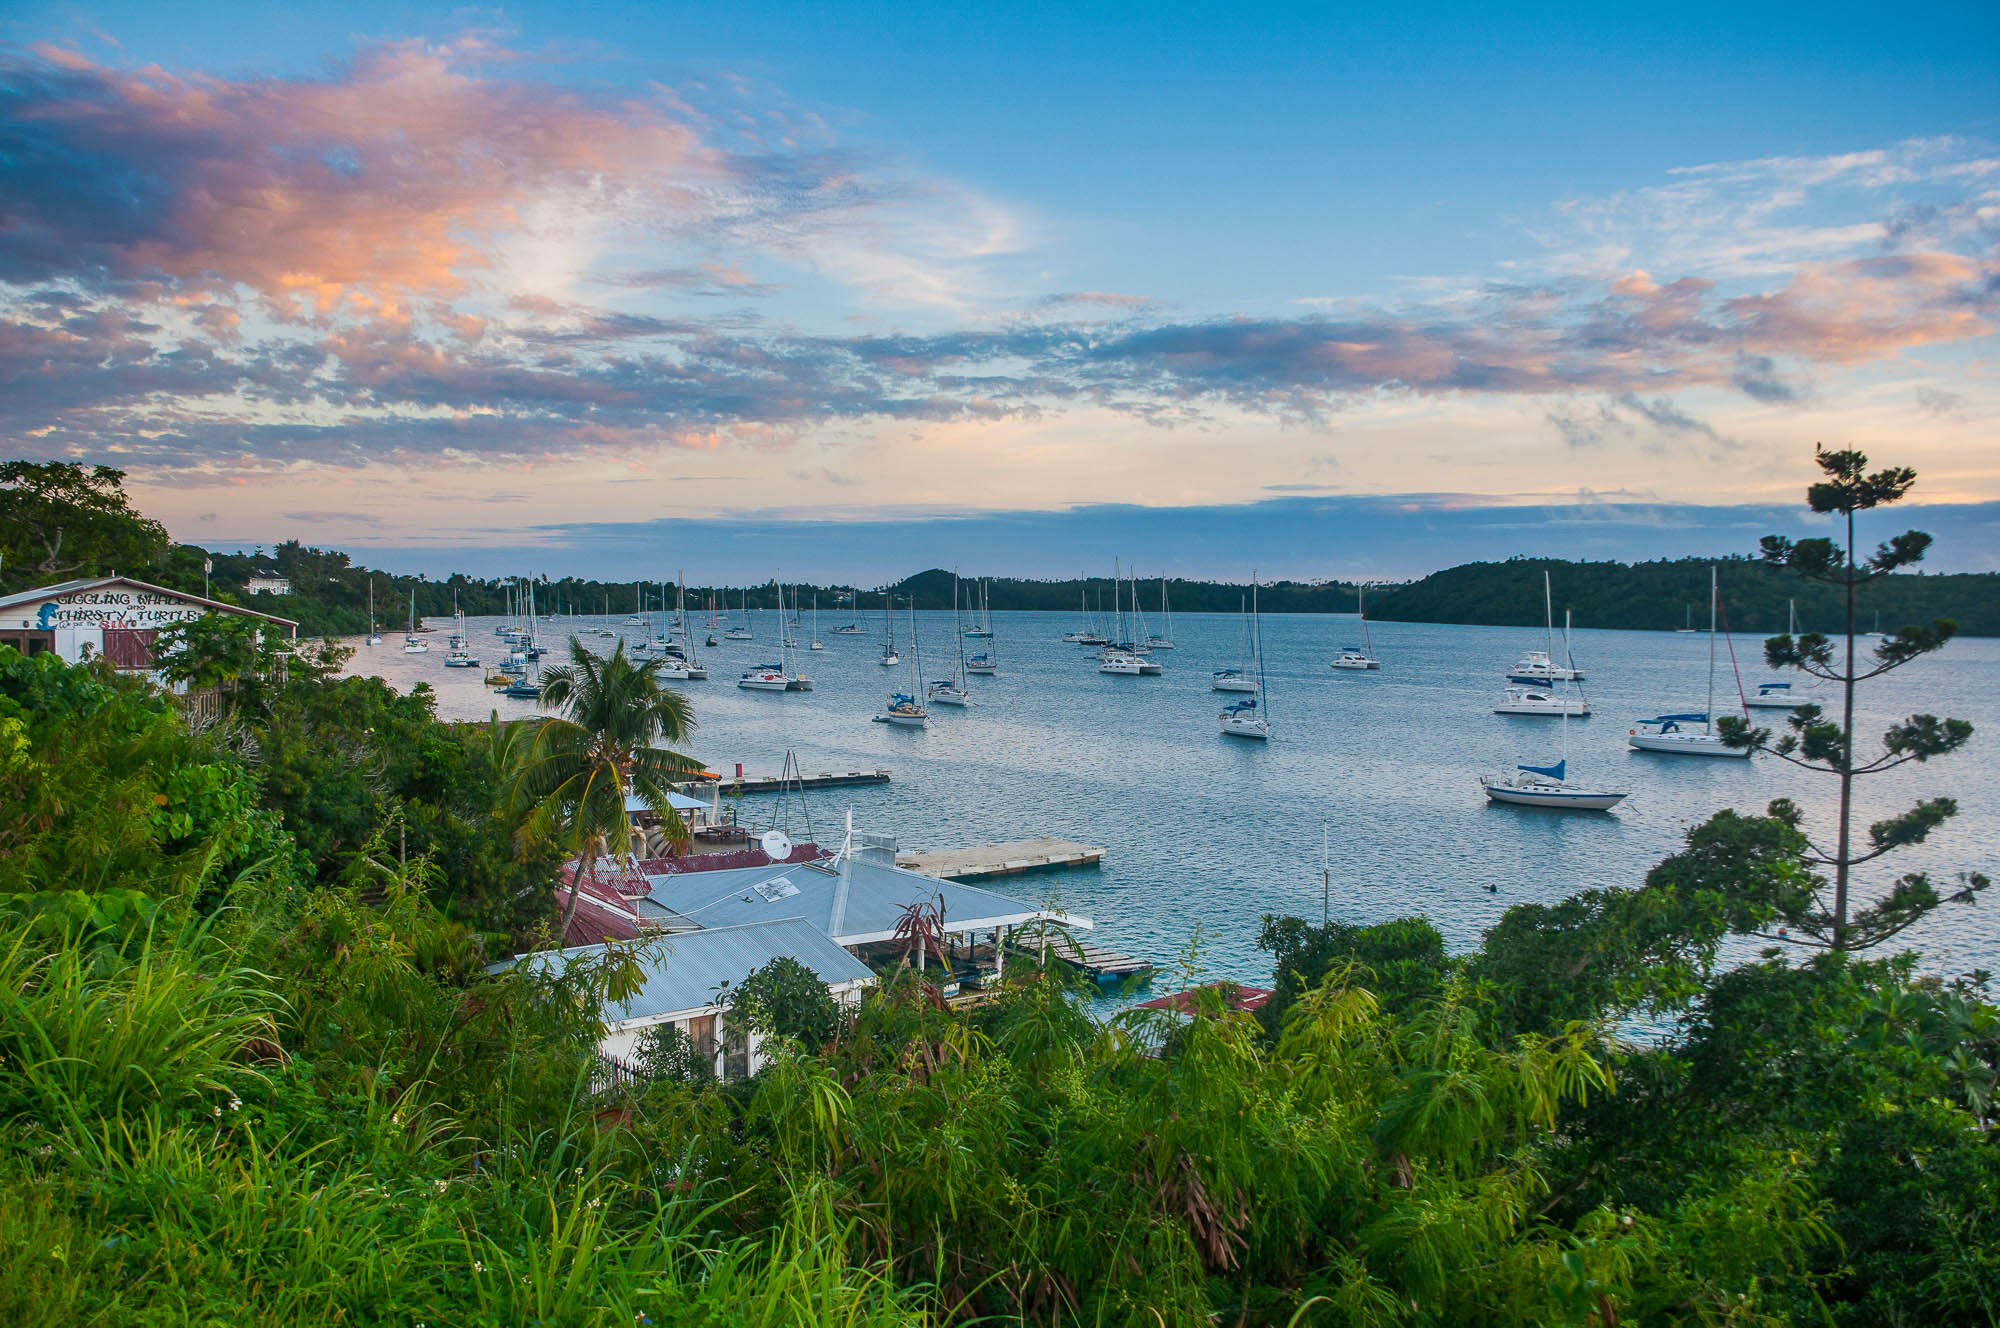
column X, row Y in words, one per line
column 267, row 581
column 112, row 617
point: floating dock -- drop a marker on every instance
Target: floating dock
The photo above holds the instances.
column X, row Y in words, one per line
column 777, row 783
column 965, row 864
column 1106, row 968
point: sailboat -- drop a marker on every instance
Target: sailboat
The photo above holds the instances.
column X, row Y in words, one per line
column 1779, row 695
column 374, row 637
column 905, row 710
column 412, row 643
column 1166, row 623
column 1244, row 719
column 1539, row 666
column 852, row 627
column 1362, row 656
column 678, row 662
column 1668, row 733
column 456, row 657
column 951, row 691
column 1547, row 698
column 1242, row 679
column 987, row 661
column 1548, row 785
column 981, row 626
column 741, row 632
column 890, row 659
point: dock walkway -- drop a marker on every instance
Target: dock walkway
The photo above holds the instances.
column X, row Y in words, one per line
column 776, row 783
column 1026, row 855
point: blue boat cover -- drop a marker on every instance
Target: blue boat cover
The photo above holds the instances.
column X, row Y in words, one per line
column 1554, row 772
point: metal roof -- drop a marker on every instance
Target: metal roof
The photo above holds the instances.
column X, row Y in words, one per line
column 61, row 588
column 875, row 897
column 685, row 970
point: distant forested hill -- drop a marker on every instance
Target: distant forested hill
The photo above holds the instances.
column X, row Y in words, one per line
column 1668, row 594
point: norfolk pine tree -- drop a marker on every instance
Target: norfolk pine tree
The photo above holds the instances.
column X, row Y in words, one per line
column 1818, row 743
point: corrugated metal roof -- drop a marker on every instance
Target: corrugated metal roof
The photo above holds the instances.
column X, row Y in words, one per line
column 877, row 895
column 685, row 970
column 61, row 588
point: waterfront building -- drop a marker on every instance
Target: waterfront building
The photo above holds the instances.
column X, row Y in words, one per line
column 109, row 617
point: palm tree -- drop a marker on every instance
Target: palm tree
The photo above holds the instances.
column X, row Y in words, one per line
column 578, row 768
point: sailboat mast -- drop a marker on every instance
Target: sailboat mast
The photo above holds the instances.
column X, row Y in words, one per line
column 1713, row 593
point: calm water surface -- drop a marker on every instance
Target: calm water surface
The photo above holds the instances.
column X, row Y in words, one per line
column 1211, row 833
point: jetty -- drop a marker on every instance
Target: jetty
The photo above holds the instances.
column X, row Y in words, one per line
column 1107, row 968
column 1025, row 855
column 742, row 783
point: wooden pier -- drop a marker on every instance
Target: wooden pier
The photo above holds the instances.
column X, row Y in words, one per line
column 965, row 864
column 733, row 784
column 1106, row 968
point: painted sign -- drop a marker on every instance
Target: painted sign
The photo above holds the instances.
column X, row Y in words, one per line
column 111, row 606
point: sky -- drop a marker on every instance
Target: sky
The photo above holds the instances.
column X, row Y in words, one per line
column 619, row 289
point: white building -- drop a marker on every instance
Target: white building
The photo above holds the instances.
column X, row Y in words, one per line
column 113, row 617
column 688, row 974
column 265, row 581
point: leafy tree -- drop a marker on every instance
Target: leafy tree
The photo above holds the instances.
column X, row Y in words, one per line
column 58, row 518
column 1817, row 742
column 577, row 768
column 786, row 999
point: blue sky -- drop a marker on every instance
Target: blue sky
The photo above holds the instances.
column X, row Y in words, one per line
column 371, row 276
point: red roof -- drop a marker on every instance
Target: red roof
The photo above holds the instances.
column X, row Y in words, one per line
column 1235, row 995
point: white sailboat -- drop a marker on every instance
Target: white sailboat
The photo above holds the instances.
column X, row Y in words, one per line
column 987, row 661
column 952, row 691
column 1362, row 656
column 374, row 637
column 412, row 643
column 904, row 709
column 1165, row 642
column 1779, row 695
column 890, row 659
column 1246, row 719
column 1243, row 678
column 1671, row 734
column 1548, row 786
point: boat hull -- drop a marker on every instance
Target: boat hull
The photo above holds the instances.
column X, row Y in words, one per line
column 1554, row 799
column 1684, row 744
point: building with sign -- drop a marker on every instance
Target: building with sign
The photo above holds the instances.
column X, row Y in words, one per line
column 112, row 617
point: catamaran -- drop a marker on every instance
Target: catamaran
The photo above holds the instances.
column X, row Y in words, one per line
column 904, row 709
column 1244, row 718
column 1539, row 666
column 1362, row 656
column 1669, row 733
column 951, row 691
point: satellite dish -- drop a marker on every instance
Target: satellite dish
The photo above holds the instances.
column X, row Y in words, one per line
column 777, row 845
